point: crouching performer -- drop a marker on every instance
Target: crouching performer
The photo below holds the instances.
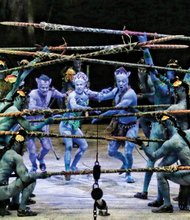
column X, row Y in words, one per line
column 174, row 149
column 11, row 161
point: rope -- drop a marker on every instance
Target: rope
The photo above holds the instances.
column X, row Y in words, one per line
column 141, row 114
column 168, row 169
column 62, row 59
column 28, row 112
column 56, row 135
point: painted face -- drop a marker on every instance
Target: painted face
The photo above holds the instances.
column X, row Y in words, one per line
column 77, row 65
column 170, row 74
column 122, row 82
column 43, row 87
column 80, row 86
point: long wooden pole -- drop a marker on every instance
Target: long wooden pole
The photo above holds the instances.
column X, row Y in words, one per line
column 168, row 169
column 138, row 114
column 60, row 27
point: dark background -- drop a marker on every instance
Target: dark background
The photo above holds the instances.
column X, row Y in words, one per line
column 161, row 16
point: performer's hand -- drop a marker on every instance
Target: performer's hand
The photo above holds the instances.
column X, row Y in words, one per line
column 140, row 96
column 94, row 121
column 45, row 49
column 49, row 120
column 97, row 112
column 106, row 90
column 139, row 142
column 42, row 175
column 142, row 38
column 88, row 108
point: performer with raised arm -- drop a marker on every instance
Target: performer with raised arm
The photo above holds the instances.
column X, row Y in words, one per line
column 77, row 99
column 7, row 124
column 164, row 94
column 124, row 96
column 39, row 99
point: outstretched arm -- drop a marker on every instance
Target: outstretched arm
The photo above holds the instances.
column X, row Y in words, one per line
column 154, row 73
column 73, row 102
column 21, row 75
column 164, row 150
column 27, row 126
column 102, row 96
column 22, row 171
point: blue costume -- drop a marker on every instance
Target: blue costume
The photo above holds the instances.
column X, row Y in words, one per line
column 164, row 94
column 39, row 99
column 174, row 149
column 124, row 96
column 77, row 99
column 13, row 102
column 147, row 90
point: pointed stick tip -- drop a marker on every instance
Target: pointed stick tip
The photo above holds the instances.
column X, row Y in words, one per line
column 7, row 23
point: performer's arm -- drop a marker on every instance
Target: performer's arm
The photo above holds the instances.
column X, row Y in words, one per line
column 22, row 171
column 73, row 103
column 27, row 126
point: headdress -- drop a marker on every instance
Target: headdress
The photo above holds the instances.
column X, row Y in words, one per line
column 173, row 64
column 177, row 82
column 80, row 75
column 69, row 74
column 122, row 70
column 23, row 62
column 44, row 77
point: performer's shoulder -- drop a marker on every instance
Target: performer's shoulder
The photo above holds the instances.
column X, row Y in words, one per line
column 33, row 92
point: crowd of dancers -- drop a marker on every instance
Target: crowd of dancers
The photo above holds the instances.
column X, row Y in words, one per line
column 169, row 88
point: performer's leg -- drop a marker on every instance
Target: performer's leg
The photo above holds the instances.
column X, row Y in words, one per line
column 145, row 124
column 147, row 179
column 46, row 145
column 166, row 161
column 12, row 189
column 164, row 190
column 113, row 152
column 3, row 208
column 23, row 210
column 32, row 153
column 129, row 146
column 26, row 195
column 82, row 143
column 15, row 201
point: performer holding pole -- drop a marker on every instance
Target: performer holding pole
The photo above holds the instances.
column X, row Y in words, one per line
column 124, row 96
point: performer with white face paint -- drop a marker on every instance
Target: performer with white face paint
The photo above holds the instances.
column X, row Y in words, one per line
column 124, row 96
column 77, row 99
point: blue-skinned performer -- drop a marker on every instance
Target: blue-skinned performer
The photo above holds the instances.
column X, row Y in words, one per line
column 124, row 96
column 164, row 94
column 67, row 80
column 13, row 101
column 16, row 78
column 39, row 99
column 11, row 161
column 8, row 124
column 77, row 99
column 146, row 85
column 172, row 126
column 147, row 91
column 174, row 149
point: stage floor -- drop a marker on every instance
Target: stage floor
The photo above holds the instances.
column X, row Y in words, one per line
column 71, row 200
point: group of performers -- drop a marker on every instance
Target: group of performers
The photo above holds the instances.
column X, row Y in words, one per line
column 157, row 88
